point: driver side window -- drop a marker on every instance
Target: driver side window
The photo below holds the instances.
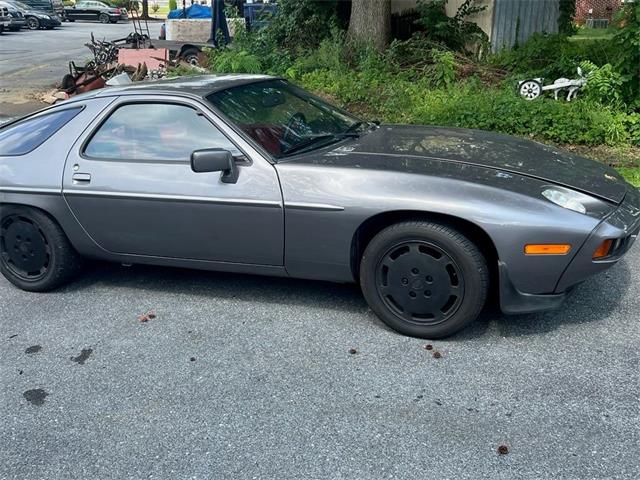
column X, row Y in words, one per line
column 155, row 132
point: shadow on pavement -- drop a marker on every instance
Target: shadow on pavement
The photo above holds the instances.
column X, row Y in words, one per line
column 590, row 302
column 244, row 287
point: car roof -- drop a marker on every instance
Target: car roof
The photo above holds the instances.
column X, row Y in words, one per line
column 198, row 86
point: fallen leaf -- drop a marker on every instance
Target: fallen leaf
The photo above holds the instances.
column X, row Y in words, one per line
column 353, row 351
column 428, row 347
column 503, row 449
column 437, row 354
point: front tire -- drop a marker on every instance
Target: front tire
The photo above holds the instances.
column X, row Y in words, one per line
column 33, row 23
column 424, row 279
column 35, row 253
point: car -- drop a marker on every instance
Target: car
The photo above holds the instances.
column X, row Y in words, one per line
column 5, row 19
column 251, row 174
column 36, row 19
column 53, row 11
column 17, row 20
column 96, row 11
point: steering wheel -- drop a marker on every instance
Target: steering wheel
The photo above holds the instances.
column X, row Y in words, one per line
column 294, row 126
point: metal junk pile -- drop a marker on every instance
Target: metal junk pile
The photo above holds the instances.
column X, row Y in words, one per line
column 110, row 61
column 117, row 62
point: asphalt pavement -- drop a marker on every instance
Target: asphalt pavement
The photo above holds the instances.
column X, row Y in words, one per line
column 249, row 377
column 33, row 61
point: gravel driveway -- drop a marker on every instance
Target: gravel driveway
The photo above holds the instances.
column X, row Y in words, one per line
column 249, row 377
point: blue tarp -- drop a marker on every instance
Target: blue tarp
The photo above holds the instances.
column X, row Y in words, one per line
column 194, row 11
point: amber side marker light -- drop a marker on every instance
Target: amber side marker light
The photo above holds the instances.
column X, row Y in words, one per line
column 603, row 250
column 547, row 249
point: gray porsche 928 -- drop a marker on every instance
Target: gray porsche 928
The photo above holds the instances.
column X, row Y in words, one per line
column 247, row 173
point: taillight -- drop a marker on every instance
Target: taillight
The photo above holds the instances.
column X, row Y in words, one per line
column 118, row 11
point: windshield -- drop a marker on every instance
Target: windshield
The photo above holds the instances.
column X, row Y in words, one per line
column 21, row 5
column 284, row 119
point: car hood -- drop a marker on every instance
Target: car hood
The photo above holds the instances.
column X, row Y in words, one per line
column 402, row 147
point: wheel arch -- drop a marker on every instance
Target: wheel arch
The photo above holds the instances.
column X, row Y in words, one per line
column 57, row 210
column 368, row 229
column 186, row 47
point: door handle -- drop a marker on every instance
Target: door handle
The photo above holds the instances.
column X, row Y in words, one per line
column 81, row 178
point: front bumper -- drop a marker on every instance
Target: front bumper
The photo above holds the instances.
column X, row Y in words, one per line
column 53, row 22
column 622, row 226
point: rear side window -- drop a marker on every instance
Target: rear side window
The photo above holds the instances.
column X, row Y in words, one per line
column 26, row 136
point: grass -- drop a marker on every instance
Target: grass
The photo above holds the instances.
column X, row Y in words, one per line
column 162, row 12
column 625, row 159
column 631, row 174
column 585, row 33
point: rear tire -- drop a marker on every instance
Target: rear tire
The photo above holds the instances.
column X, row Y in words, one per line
column 35, row 253
column 424, row 279
column 104, row 18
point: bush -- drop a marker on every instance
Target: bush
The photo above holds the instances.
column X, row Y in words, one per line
column 173, row 5
column 233, row 61
column 301, row 24
column 120, row 3
column 604, row 84
column 455, row 32
column 553, row 56
column 469, row 105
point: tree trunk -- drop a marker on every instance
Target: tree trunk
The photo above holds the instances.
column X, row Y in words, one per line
column 145, row 10
column 371, row 22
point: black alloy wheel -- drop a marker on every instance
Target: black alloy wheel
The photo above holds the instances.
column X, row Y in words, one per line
column 33, row 23
column 35, row 253
column 24, row 248
column 420, row 282
column 424, row 279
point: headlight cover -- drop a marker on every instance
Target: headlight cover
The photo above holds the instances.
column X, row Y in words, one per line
column 565, row 198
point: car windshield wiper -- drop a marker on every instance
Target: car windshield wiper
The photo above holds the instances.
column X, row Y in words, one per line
column 355, row 126
column 311, row 140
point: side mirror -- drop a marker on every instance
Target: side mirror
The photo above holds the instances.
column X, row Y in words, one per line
column 215, row 160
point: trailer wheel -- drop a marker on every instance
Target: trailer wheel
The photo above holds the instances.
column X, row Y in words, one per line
column 530, row 89
column 190, row 55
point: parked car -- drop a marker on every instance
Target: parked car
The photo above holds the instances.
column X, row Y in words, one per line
column 95, row 11
column 35, row 18
column 17, row 20
column 248, row 173
column 5, row 19
column 53, row 8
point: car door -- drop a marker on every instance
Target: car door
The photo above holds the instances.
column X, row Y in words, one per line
column 129, row 182
column 93, row 10
column 80, row 11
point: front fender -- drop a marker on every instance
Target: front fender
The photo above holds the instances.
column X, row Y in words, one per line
column 325, row 206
